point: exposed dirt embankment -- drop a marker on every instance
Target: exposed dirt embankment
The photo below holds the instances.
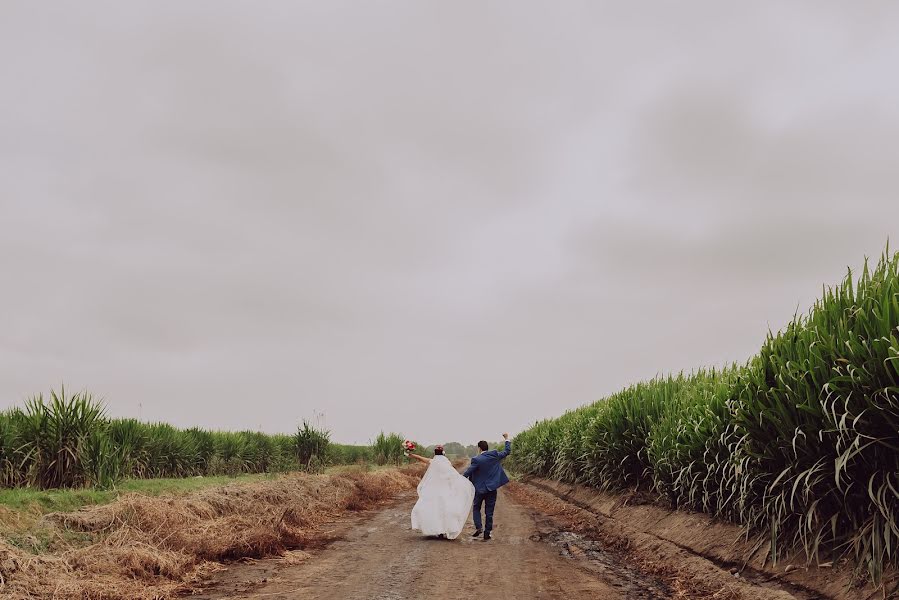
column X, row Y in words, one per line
column 699, row 535
column 155, row 547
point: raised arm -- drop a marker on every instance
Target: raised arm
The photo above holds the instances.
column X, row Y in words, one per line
column 426, row 461
column 508, row 449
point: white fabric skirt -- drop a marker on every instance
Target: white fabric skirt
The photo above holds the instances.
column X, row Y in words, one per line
column 444, row 500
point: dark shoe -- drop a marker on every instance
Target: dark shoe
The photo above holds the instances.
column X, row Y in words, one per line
column 477, row 533
column 487, row 537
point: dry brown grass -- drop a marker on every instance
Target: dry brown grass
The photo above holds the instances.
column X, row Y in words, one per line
column 156, row 547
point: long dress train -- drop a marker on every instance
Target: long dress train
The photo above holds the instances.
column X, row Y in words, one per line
column 444, row 500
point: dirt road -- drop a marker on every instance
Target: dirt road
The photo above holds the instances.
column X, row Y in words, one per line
column 380, row 557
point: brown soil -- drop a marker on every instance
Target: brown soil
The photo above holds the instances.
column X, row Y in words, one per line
column 381, row 557
column 687, row 575
column 542, row 548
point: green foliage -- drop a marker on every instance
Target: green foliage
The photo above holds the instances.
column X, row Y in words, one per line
column 12, row 448
column 802, row 442
column 312, row 445
column 68, row 442
column 53, row 435
column 387, row 448
column 451, row 450
column 343, row 454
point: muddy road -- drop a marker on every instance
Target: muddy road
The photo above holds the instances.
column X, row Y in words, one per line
column 377, row 556
column 382, row 558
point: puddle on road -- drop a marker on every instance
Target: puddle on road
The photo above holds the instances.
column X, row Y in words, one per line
column 633, row 583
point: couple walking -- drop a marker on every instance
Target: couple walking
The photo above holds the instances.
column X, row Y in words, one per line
column 445, row 497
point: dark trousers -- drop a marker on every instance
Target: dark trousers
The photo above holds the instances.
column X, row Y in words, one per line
column 489, row 501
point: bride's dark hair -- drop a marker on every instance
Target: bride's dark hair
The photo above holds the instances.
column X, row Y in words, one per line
column 438, row 450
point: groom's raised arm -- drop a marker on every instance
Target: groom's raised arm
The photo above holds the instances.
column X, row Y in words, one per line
column 508, row 450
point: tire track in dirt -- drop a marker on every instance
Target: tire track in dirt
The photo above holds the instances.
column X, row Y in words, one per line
column 618, row 552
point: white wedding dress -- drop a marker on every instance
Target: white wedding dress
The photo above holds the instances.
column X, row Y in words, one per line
column 444, row 500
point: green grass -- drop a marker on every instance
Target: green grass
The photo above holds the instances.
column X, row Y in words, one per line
column 66, row 500
column 21, row 509
column 47, row 501
column 35, row 501
column 800, row 443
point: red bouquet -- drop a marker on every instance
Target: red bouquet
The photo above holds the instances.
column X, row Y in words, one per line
column 408, row 447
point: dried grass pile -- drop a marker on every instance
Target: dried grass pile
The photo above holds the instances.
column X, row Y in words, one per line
column 156, row 547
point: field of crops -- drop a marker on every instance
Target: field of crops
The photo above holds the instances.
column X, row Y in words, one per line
column 800, row 443
column 68, row 441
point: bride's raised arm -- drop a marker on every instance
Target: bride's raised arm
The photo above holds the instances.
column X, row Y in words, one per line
column 420, row 458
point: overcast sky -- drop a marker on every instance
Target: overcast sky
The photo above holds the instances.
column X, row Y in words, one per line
column 447, row 219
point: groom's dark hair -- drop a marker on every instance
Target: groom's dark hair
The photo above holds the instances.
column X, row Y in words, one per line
column 483, row 446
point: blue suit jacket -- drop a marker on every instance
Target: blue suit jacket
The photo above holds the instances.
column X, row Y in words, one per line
column 486, row 470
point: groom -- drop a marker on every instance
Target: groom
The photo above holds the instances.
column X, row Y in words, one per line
column 487, row 474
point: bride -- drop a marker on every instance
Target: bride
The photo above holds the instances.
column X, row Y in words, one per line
column 444, row 498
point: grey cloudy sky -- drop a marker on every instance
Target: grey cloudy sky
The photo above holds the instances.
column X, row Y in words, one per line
column 443, row 218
